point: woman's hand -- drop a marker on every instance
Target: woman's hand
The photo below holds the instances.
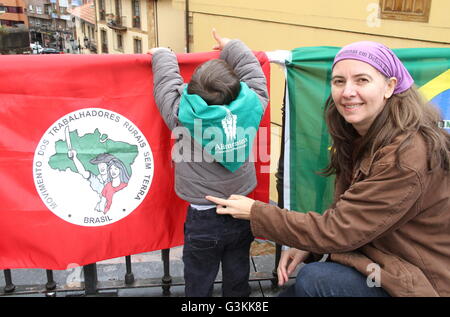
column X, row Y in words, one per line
column 289, row 261
column 221, row 41
column 237, row 206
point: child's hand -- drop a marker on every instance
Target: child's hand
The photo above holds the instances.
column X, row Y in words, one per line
column 154, row 49
column 221, row 41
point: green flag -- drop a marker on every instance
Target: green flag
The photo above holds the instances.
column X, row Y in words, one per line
column 307, row 142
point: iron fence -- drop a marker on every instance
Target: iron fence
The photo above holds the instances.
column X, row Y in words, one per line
column 91, row 286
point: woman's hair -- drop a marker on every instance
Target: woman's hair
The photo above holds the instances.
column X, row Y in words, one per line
column 216, row 82
column 124, row 176
column 404, row 113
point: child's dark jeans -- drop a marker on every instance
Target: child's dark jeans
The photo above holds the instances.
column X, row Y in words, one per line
column 209, row 240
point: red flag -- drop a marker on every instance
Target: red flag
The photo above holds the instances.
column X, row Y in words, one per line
column 62, row 120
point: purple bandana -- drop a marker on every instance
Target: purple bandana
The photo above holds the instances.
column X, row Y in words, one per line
column 380, row 57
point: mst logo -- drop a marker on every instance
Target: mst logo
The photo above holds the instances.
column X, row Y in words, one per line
column 93, row 167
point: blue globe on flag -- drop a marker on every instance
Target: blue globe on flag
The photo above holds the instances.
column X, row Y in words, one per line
column 437, row 91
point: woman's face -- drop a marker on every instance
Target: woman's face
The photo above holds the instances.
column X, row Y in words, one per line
column 114, row 171
column 359, row 92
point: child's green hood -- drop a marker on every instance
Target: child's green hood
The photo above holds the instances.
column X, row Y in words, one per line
column 226, row 132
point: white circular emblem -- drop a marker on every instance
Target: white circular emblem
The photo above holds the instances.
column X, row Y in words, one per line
column 93, row 167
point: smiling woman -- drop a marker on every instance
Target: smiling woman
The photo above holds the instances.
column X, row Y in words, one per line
column 360, row 92
column 392, row 191
column 373, row 102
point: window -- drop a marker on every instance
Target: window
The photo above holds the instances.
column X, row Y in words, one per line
column 101, row 9
column 91, row 32
column 47, row 9
column 406, row 10
column 5, row 23
column 118, row 6
column 104, row 39
column 12, row 9
column 136, row 11
column 119, row 42
column 137, row 46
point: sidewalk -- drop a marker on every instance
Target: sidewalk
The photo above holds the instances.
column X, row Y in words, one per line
column 147, row 266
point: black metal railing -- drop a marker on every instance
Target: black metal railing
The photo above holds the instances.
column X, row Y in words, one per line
column 91, row 286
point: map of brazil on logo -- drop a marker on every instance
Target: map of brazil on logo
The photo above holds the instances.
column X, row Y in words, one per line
column 93, row 167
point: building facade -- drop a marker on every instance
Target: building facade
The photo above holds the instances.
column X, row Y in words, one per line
column 85, row 34
column 39, row 14
column 50, row 23
column 124, row 26
column 135, row 26
column 12, row 13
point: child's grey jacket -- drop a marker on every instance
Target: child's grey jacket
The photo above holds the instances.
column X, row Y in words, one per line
column 197, row 176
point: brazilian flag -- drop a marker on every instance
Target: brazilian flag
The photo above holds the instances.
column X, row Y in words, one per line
column 307, row 142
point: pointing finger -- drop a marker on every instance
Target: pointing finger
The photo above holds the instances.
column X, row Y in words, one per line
column 215, row 35
column 217, row 201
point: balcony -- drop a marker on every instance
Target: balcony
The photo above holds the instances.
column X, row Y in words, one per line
column 117, row 23
column 44, row 15
column 14, row 16
column 91, row 45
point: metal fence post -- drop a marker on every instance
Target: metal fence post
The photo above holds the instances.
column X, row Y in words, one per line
column 51, row 285
column 9, row 286
column 279, row 175
column 90, row 279
column 129, row 276
column 166, row 279
column 274, row 272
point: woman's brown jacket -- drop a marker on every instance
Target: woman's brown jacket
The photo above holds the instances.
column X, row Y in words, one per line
column 391, row 220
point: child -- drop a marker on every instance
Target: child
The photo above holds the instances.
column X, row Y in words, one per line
column 226, row 98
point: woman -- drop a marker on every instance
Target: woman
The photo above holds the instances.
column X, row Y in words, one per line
column 388, row 230
column 118, row 179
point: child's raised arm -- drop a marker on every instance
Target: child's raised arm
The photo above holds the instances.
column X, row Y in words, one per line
column 167, row 84
column 244, row 63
